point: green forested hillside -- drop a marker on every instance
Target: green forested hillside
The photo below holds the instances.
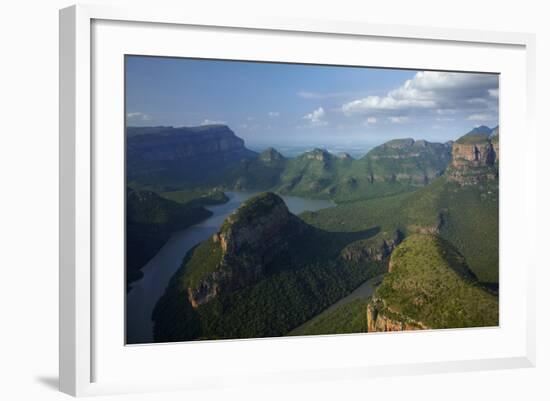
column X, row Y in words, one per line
column 294, row 280
column 465, row 215
column 150, row 219
column 430, row 284
column 166, row 159
column 348, row 318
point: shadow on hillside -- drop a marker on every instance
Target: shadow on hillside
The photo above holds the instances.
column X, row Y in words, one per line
column 318, row 244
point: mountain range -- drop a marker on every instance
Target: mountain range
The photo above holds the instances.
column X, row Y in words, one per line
column 421, row 216
column 197, row 157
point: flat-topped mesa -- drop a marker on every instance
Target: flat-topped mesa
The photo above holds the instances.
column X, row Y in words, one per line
column 475, row 157
column 169, row 144
column 259, row 231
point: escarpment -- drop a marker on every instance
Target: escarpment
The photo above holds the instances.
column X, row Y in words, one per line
column 257, row 234
column 475, row 157
column 184, row 143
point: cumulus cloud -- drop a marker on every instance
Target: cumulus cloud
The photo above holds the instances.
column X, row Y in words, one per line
column 432, row 92
column 316, row 117
column 207, row 121
column 138, row 115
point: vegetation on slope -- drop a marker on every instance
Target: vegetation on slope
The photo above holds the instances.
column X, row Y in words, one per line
column 350, row 317
column 196, row 197
column 477, row 135
column 306, row 276
column 465, row 215
column 150, row 219
column 205, row 257
column 167, row 159
column 429, row 282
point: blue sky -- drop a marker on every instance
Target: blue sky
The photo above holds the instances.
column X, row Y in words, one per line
column 310, row 105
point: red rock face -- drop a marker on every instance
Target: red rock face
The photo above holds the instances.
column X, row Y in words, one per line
column 474, row 163
column 474, row 155
column 381, row 318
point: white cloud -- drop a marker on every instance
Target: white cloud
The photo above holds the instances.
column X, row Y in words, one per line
column 372, row 120
column 480, row 117
column 431, row 92
column 138, row 115
column 444, row 119
column 273, row 114
column 398, row 119
column 316, row 117
column 211, row 122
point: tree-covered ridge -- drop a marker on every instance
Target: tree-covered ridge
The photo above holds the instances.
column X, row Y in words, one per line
column 266, row 287
column 205, row 157
column 151, row 218
column 465, row 215
column 430, row 284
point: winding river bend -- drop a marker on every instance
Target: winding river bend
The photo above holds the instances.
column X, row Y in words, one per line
column 145, row 293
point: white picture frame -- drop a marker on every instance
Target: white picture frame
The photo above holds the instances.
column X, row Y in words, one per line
column 83, row 349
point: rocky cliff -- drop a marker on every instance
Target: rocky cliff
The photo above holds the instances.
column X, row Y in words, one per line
column 194, row 156
column 185, row 143
column 249, row 241
column 380, row 317
column 372, row 249
column 475, row 157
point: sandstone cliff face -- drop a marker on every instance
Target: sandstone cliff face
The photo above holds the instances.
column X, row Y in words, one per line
column 475, row 158
column 250, row 239
column 382, row 318
column 474, row 155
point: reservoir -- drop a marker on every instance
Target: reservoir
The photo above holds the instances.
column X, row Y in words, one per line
column 145, row 292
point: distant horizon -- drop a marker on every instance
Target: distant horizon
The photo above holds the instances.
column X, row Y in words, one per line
column 266, row 102
column 295, row 148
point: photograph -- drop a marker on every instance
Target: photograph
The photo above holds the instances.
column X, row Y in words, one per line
column 269, row 199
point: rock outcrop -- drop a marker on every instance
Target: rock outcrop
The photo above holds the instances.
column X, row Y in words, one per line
column 475, row 157
column 250, row 239
column 382, row 318
column 375, row 249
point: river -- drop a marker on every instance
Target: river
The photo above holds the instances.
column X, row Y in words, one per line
column 145, row 293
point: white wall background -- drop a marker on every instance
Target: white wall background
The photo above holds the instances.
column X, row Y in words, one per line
column 29, row 186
